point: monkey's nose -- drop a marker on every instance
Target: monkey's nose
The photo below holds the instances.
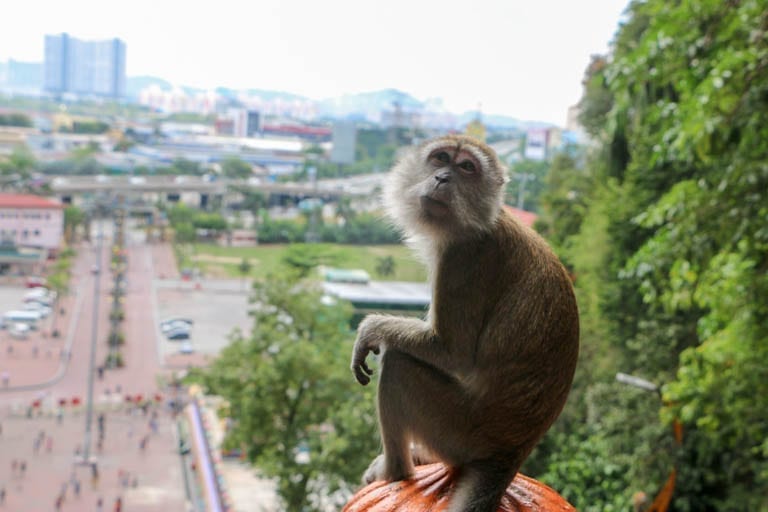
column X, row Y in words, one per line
column 443, row 177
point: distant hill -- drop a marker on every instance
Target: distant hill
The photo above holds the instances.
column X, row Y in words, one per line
column 367, row 104
column 134, row 84
column 355, row 106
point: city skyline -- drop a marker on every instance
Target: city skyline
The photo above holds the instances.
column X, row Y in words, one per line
column 521, row 61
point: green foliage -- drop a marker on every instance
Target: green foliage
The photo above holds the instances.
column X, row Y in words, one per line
column 289, row 393
column 21, row 161
column 527, row 180
column 385, row 266
column 234, row 167
column 280, row 231
column 90, row 127
column 304, row 257
column 362, row 228
column 15, row 119
column 669, row 247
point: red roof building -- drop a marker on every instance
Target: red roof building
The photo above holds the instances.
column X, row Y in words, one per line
column 8, row 201
column 31, row 221
column 522, row 216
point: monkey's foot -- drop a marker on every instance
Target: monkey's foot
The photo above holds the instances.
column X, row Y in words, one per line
column 380, row 469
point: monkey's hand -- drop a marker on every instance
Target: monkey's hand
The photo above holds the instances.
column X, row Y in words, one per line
column 368, row 340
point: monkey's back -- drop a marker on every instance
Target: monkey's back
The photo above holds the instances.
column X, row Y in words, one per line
column 506, row 303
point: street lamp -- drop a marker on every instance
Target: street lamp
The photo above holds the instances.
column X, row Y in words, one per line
column 94, row 334
column 663, row 499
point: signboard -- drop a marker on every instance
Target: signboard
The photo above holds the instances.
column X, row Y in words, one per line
column 536, row 144
column 344, row 140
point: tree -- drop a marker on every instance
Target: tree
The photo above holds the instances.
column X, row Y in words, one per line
column 21, row 162
column 385, row 266
column 302, row 258
column 296, row 411
column 244, row 268
column 73, row 218
column 526, row 183
column 15, row 119
column 671, row 257
column 234, row 167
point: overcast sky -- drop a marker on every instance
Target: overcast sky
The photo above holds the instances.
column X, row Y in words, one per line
column 519, row 58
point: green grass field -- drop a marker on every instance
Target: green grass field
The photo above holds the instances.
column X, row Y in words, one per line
column 218, row 261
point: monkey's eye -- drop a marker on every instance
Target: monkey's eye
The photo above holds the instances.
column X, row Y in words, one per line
column 442, row 157
column 468, row 166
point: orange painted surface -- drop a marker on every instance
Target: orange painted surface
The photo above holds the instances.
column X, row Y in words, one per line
column 430, row 488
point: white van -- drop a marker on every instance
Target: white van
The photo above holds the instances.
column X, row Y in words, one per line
column 22, row 317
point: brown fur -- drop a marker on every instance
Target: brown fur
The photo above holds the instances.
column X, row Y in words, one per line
column 484, row 376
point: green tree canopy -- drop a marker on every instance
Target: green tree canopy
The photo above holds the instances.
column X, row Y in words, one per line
column 670, row 257
column 296, row 410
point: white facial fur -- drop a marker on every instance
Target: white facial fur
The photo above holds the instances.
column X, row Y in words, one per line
column 473, row 200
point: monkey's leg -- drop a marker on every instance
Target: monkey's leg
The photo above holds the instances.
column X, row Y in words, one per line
column 416, row 400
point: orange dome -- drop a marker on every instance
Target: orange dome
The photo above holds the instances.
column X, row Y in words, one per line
column 430, row 489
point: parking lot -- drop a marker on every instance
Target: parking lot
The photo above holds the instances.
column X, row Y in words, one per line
column 216, row 311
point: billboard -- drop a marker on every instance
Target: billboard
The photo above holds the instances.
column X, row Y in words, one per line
column 536, row 144
column 344, row 141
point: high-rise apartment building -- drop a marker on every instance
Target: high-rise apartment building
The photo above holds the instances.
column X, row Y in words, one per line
column 84, row 67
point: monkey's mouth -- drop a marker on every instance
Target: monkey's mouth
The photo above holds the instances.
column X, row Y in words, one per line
column 433, row 206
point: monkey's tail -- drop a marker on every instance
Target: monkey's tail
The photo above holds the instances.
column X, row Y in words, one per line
column 481, row 485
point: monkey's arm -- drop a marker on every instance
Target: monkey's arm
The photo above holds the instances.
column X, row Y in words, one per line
column 409, row 335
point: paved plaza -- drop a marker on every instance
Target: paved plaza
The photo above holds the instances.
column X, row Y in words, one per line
column 42, row 412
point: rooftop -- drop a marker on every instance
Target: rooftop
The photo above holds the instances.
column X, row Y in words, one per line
column 28, row 201
column 526, row 218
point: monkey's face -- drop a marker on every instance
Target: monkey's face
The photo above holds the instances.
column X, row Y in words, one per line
column 451, row 186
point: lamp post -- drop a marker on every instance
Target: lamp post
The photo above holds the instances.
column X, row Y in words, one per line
column 94, row 334
column 663, row 499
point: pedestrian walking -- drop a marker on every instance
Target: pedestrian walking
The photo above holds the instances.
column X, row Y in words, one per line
column 94, row 475
column 22, row 468
column 6, row 378
column 118, row 504
column 100, row 504
column 14, row 466
column 143, row 442
column 76, row 488
column 49, row 444
column 59, row 502
column 60, row 415
column 2, row 495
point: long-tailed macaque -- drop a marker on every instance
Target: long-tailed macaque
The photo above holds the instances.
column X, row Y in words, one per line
column 480, row 381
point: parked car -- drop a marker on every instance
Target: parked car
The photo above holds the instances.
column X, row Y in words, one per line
column 19, row 331
column 178, row 334
column 24, row 317
column 186, row 348
column 36, row 306
column 176, row 324
column 34, row 281
column 42, row 300
column 177, row 319
column 40, row 291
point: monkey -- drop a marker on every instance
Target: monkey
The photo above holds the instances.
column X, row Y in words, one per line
column 478, row 382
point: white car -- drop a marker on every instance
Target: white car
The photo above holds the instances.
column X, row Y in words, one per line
column 186, row 348
column 43, row 300
column 36, row 306
column 175, row 322
column 19, row 331
column 40, row 292
column 176, row 325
